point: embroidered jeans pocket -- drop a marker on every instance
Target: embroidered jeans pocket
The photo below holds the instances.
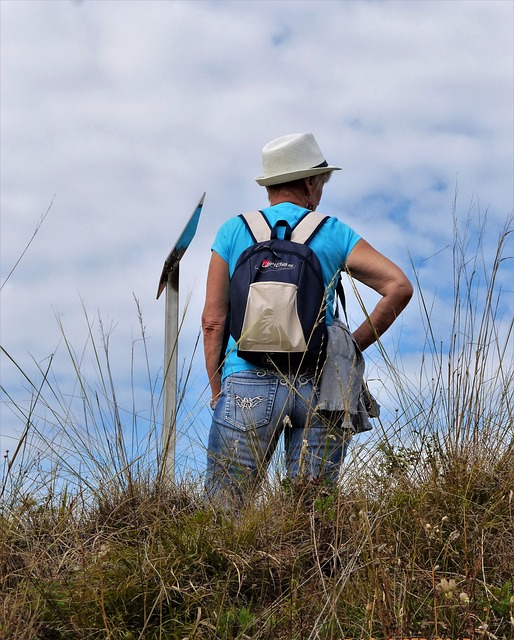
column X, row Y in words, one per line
column 249, row 402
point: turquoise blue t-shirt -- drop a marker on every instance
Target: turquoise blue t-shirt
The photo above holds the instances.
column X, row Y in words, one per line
column 332, row 244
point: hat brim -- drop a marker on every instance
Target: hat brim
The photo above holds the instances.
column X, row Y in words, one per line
column 293, row 175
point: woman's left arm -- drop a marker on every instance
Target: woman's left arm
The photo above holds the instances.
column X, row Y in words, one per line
column 370, row 267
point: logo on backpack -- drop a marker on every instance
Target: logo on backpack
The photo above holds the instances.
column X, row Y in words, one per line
column 277, row 295
column 268, row 264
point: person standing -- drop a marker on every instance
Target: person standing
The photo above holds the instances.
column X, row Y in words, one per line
column 253, row 405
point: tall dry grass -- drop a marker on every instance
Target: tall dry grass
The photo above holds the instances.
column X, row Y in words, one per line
column 417, row 540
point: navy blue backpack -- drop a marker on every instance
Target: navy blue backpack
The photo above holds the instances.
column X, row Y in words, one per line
column 277, row 295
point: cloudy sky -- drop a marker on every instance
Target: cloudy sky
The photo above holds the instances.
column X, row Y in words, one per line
column 116, row 115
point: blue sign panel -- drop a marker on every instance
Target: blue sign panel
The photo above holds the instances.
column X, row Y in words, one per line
column 179, row 249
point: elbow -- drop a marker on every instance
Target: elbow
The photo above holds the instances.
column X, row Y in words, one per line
column 212, row 325
column 408, row 291
column 403, row 294
column 398, row 293
column 213, row 318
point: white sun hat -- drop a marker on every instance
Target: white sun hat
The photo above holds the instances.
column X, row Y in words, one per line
column 292, row 157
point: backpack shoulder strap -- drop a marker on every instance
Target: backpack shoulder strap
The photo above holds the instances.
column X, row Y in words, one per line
column 257, row 225
column 308, row 227
column 260, row 230
column 342, row 299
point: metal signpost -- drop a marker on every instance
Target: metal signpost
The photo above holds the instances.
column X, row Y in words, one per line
column 169, row 280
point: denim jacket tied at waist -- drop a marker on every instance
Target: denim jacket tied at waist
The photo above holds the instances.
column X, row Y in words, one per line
column 342, row 386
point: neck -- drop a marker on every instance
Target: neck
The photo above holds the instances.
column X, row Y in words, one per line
column 286, row 197
column 298, row 192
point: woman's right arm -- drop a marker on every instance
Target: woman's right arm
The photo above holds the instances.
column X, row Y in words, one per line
column 214, row 317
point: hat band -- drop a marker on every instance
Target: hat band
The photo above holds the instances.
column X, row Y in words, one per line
column 323, row 164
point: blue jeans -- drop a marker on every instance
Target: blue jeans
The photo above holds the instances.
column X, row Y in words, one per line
column 254, row 409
